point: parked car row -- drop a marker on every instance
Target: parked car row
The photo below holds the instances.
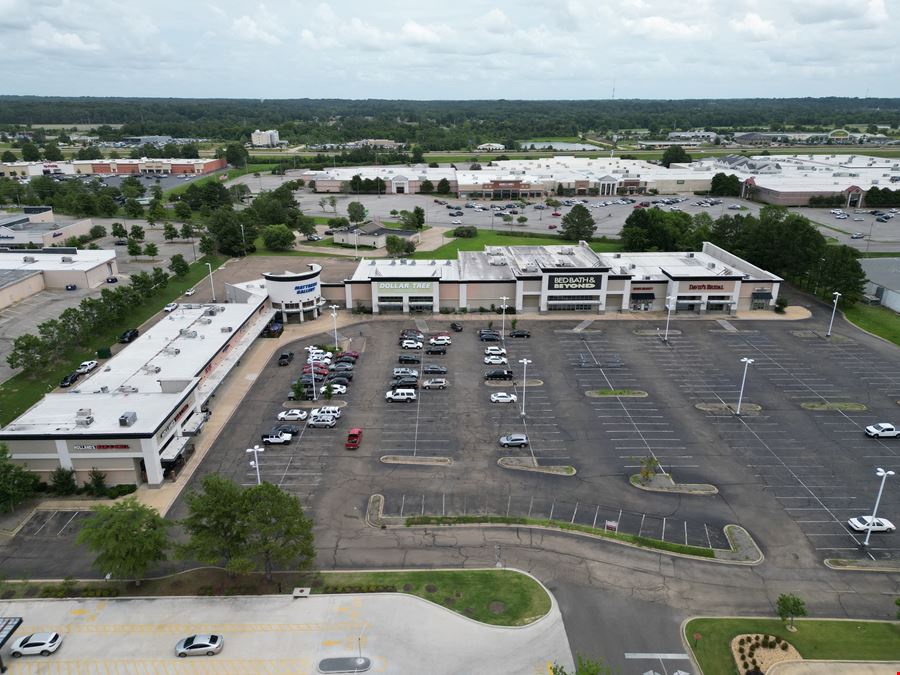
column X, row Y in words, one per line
column 45, row 644
column 404, row 381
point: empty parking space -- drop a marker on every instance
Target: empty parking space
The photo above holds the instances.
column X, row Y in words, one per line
column 53, row 524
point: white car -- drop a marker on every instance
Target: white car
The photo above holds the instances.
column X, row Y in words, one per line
column 312, row 349
column 189, row 292
column 171, row 307
column 456, row 222
column 322, row 421
column 332, row 410
column 86, row 367
column 440, row 340
column 411, row 344
column 841, row 216
column 862, row 524
column 36, row 643
column 503, row 397
column 495, row 360
column 337, row 389
column 494, row 351
column 836, row 212
column 292, row 415
column 435, row 383
column 882, row 430
column 319, row 358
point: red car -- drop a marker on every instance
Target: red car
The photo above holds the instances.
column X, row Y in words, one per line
column 351, row 354
column 556, row 213
column 354, row 438
column 551, row 227
column 322, row 370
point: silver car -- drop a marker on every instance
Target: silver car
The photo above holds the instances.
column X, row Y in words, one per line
column 200, row 645
column 514, row 440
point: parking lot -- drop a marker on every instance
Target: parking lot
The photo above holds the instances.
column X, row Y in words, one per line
column 784, row 472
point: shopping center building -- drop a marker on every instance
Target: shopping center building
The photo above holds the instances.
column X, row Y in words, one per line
column 560, row 278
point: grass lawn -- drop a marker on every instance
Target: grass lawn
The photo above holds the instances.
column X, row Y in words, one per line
column 494, row 238
column 496, row 597
column 20, row 392
column 232, row 173
column 844, row 640
column 878, row 320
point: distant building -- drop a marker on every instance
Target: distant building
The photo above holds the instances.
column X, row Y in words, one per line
column 112, row 167
column 36, row 227
column 694, row 135
column 372, row 234
column 491, row 146
column 147, row 140
column 380, row 143
column 265, row 139
column 883, row 280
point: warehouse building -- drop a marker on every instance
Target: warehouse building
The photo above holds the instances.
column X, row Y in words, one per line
column 135, row 418
column 112, row 167
column 36, row 227
column 561, row 278
column 883, row 281
column 24, row 272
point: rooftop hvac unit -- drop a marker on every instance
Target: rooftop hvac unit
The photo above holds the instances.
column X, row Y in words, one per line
column 567, row 251
column 210, row 311
column 184, row 332
column 623, row 270
column 29, row 258
column 617, row 255
column 205, row 320
column 632, row 266
column 127, row 419
column 711, row 265
column 151, row 369
column 104, row 389
column 85, row 421
column 498, row 262
column 173, row 351
column 128, row 389
column 227, row 329
column 690, row 255
column 67, row 258
column 83, row 412
column 646, row 277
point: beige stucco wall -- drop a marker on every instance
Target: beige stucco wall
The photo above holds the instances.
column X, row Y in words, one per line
column 20, row 290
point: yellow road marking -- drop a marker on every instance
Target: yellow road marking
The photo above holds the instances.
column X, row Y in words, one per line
column 174, row 666
column 170, row 628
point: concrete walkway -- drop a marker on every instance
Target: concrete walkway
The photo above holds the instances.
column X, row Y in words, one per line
column 834, row 668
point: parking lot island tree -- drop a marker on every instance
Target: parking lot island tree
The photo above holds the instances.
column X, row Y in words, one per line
column 788, row 607
column 356, row 212
column 278, row 531
column 215, row 525
column 170, row 232
column 578, row 224
column 127, row 537
column 278, row 237
column 118, row 230
column 151, row 250
column 178, row 265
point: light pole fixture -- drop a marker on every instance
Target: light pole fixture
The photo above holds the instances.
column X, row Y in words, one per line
column 255, row 450
column 746, row 363
column 503, row 307
column 836, row 295
column 883, row 475
column 334, row 309
column 211, row 284
column 312, row 375
column 243, row 239
column 670, row 299
column 524, row 363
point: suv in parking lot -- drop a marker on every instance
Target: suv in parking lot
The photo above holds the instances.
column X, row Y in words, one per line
column 404, row 383
column 514, row 441
column 278, row 438
column 436, row 383
column 489, row 337
column 409, row 358
column 400, row 395
column 434, row 370
column 322, row 421
column 436, row 351
column 405, row 372
column 498, row 374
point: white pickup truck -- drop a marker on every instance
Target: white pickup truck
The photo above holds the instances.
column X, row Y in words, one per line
column 882, row 430
column 277, row 439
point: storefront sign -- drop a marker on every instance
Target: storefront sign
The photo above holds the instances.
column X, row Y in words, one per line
column 306, row 288
column 172, row 421
column 706, row 287
column 645, row 289
column 576, row 282
column 102, row 447
column 405, row 286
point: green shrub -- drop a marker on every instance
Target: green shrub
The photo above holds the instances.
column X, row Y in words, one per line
column 62, row 482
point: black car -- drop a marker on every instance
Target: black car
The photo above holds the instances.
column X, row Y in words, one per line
column 285, row 358
column 121, row 242
column 498, row 374
column 71, row 287
column 112, row 280
column 285, row 428
column 306, row 394
column 490, row 337
column 405, row 383
column 69, row 379
column 409, row 358
column 456, row 327
column 346, row 359
column 434, row 370
column 339, row 380
column 436, row 350
column 342, row 375
column 310, row 377
column 129, row 335
column 519, row 333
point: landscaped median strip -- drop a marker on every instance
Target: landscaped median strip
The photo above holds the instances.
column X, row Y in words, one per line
column 824, row 405
column 616, row 393
column 743, row 551
column 709, row 639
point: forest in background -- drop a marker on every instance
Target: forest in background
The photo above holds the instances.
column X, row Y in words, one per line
column 437, row 125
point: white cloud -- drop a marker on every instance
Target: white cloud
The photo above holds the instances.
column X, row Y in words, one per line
column 662, row 27
column 755, row 26
column 494, row 21
column 247, row 29
column 45, row 37
column 417, row 33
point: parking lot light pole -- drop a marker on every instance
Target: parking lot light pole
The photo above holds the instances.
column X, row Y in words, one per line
column 833, row 311
column 255, row 450
column 669, row 300
column 211, row 284
column 312, row 374
column 243, row 239
column 746, row 363
column 883, row 475
column 524, row 363
column 334, row 309
column 503, row 307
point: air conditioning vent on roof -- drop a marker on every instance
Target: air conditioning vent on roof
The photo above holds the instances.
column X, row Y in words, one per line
column 29, row 259
column 84, row 421
column 185, row 333
column 690, row 255
column 67, row 258
column 632, row 266
column 205, row 320
column 173, row 351
column 128, row 389
column 151, row 369
column 227, row 329
column 127, row 419
column 617, row 255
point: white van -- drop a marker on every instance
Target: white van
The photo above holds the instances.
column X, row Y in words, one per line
column 400, row 395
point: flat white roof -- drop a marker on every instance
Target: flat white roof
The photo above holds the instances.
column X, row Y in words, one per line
column 149, row 376
column 81, row 259
column 376, row 268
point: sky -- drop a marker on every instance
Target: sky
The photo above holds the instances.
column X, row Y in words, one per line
column 512, row 49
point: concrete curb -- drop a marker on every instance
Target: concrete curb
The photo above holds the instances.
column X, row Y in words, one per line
column 701, row 489
column 374, row 512
column 855, row 566
column 514, row 464
column 416, row 461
